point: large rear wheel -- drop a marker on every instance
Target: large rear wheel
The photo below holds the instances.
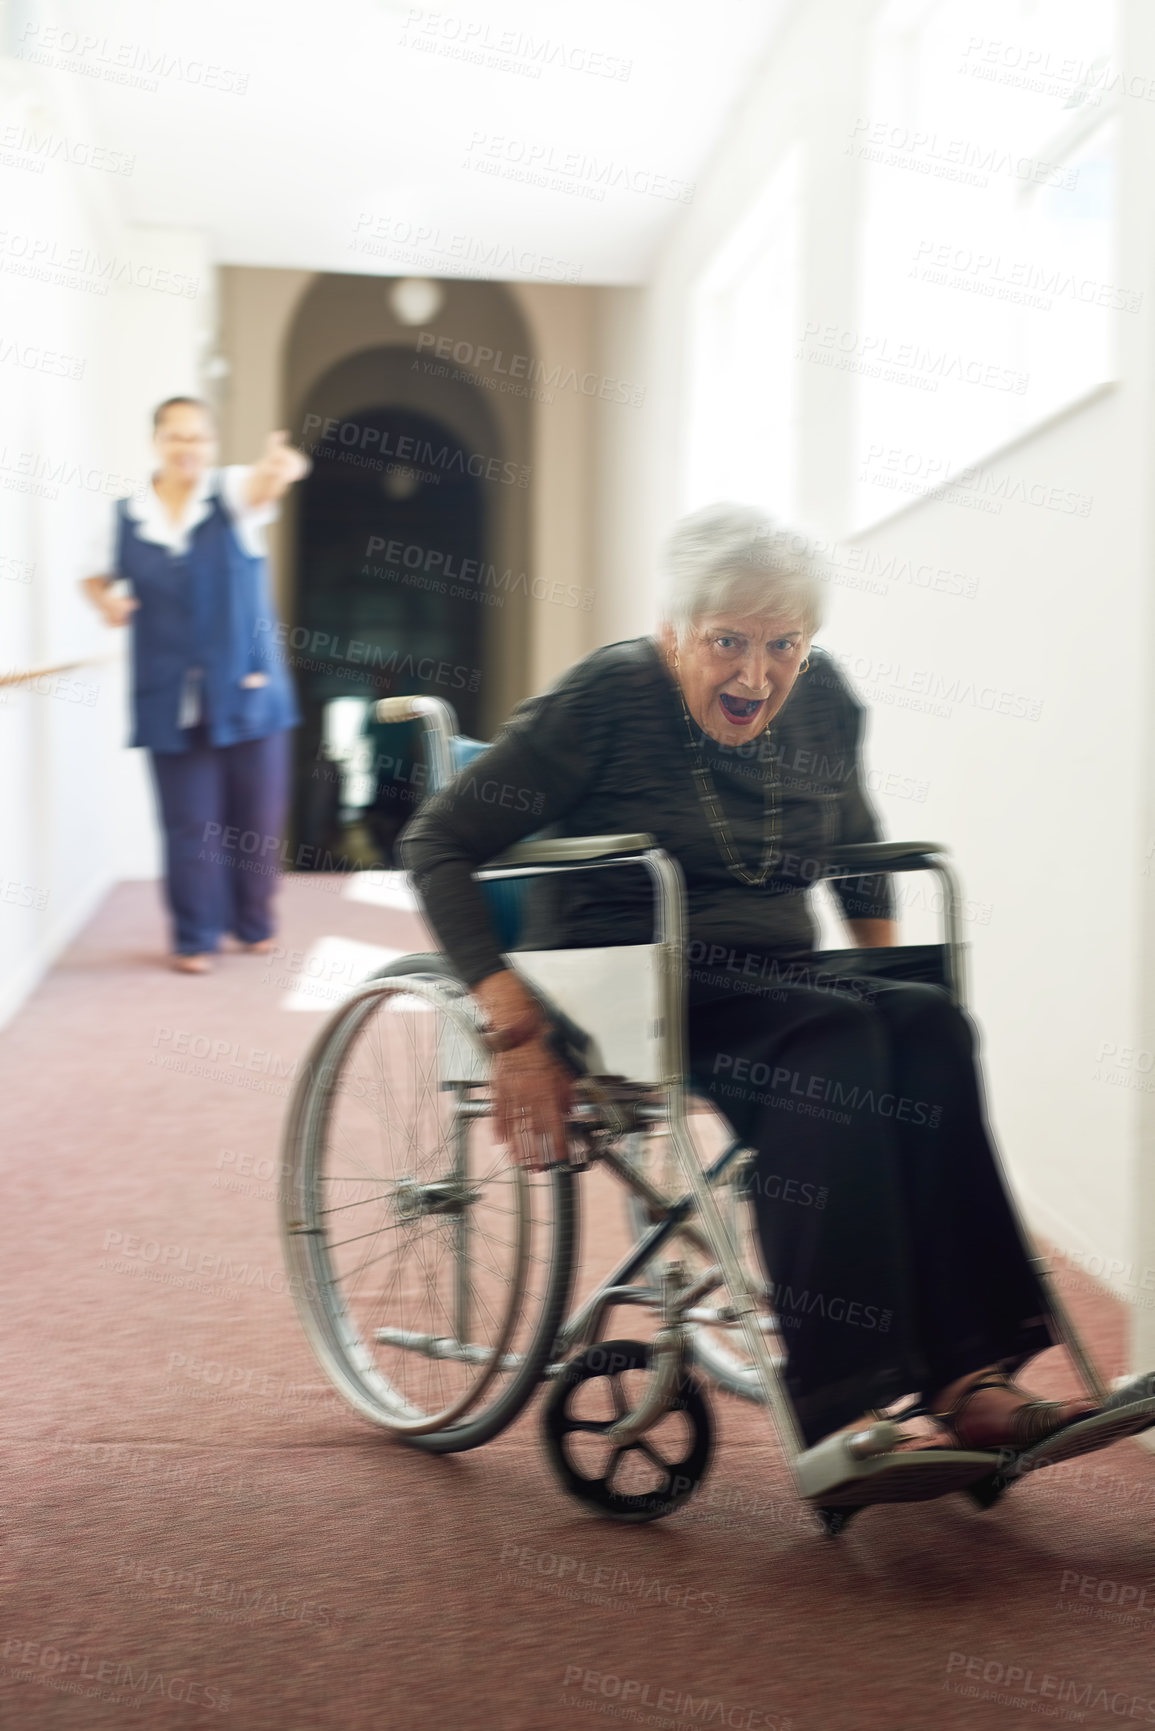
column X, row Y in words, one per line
column 431, row 1274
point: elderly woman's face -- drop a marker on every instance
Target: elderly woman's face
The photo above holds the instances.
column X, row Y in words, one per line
column 736, row 671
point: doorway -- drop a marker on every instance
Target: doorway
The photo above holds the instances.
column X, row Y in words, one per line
column 389, row 602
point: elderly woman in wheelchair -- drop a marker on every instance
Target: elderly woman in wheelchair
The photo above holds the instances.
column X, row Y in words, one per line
column 893, row 1267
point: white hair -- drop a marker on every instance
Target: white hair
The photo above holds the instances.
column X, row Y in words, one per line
column 729, row 555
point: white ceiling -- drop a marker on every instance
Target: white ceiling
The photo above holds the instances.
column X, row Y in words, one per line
column 365, row 112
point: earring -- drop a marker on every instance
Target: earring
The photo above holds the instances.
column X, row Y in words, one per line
column 804, row 665
column 673, row 660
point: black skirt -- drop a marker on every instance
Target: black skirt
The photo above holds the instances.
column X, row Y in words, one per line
column 892, row 1256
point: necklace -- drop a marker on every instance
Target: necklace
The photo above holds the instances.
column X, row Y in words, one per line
column 708, row 800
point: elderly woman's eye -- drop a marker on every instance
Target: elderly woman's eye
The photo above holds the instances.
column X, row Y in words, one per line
column 722, row 641
column 785, row 644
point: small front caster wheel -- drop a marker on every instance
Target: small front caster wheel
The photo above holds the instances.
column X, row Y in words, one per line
column 986, row 1492
column 835, row 1521
column 636, row 1481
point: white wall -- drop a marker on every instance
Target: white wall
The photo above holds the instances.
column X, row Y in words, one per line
column 1136, row 454
column 95, row 332
column 1040, row 813
column 1049, row 817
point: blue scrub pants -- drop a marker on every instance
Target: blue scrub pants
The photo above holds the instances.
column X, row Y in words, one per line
column 223, row 811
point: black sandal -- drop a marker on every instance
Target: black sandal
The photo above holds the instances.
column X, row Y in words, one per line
column 1051, row 1440
column 1027, row 1426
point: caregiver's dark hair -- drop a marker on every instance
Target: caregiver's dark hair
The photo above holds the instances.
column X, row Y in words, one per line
column 162, row 409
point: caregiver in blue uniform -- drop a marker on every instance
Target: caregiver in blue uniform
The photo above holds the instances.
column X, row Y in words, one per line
column 212, row 699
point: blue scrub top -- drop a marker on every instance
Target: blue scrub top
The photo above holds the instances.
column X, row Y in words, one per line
column 208, row 607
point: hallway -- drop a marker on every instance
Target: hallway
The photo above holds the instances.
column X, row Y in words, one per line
column 393, row 353
column 197, row 1524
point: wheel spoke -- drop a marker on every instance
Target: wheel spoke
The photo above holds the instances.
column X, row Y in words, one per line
column 645, row 1447
column 611, row 1468
column 376, row 1122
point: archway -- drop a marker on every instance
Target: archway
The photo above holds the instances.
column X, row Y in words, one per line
column 422, row 472
column 390, row 601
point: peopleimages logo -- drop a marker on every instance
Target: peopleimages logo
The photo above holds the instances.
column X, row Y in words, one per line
column 484, row 43
column 447, row 574
column 481, row 359
column 828, row 1089
column 1023, row 1686
column 324, row 649
column 419, row 453
column 574, row 1571
column 253, row 1599
column 57, row 1667
column 621, row 1697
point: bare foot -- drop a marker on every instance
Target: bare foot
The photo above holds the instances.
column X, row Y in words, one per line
column 192, row 964
column 262, row 947
column 987, row 1419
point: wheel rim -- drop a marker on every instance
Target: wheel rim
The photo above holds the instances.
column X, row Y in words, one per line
column 406, row 1226
column 651, row 1475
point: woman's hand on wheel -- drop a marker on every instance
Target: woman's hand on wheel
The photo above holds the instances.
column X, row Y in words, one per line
column 532, row 1089
column 531, row 1099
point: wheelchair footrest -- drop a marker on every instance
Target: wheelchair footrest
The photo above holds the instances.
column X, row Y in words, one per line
column 1118, row 1418
column 832, row 1476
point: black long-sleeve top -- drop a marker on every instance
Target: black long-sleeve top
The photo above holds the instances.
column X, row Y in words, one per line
column 606, row 752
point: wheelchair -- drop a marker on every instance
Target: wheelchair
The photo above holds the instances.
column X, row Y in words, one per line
column 433, row 1275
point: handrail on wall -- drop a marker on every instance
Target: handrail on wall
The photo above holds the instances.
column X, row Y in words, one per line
column 26, row 675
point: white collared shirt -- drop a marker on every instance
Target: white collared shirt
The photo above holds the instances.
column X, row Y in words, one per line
column 152, row 522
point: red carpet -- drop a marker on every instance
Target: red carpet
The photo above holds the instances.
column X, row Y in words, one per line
column 199, row 1532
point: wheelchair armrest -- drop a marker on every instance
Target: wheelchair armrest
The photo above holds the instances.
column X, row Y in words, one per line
column 567, row 849
column 884, row 856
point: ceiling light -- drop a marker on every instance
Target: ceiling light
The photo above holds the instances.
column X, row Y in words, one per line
column 398, row 483
column 415, row 299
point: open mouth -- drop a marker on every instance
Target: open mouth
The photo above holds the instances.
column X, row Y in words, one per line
column 740, row 710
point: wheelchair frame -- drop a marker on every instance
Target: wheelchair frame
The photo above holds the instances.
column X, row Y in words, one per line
column 840, row 1473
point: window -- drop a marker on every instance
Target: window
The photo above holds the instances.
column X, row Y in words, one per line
column 742, row 433
column 988, row 297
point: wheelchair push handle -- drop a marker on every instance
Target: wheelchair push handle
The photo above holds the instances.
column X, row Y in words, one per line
column 415, row 708
column 440, row 719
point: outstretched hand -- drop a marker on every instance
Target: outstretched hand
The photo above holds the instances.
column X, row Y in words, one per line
column 277, row 468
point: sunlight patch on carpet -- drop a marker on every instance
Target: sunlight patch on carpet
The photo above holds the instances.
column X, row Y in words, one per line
column 330, row 970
